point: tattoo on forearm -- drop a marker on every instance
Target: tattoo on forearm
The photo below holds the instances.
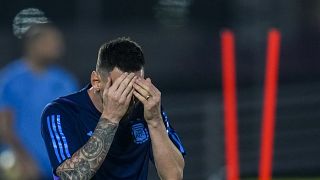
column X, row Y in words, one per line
column 87, row 160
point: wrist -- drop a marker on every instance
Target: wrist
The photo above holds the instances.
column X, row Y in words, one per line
column 155, row 122
column 110, row 118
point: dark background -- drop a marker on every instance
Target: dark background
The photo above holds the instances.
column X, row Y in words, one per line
column 181, row 42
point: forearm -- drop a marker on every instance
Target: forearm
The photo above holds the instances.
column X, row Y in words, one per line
column 88, row 159
column 168, row 159
column 7, row 134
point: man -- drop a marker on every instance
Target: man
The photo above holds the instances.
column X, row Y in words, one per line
column 113, row 127
column 26, row 85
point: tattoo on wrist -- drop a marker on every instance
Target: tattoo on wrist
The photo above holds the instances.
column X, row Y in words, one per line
column 88, row 159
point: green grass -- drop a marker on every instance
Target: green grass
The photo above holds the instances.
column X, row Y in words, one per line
column 291, row 178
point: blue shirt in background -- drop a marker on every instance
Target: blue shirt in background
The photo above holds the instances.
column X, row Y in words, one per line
column 26, row 93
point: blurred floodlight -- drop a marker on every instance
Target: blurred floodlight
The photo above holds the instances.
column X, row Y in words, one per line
column 172, row 12
column 25, row 18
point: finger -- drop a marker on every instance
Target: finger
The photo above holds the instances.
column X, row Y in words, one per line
column 108, row 83
column 141, row 90
column 125, row 83
column 140, row 97
column 152, row 86
column 146, row 86
column 143, row 83
column 119, row 80
column 129, row 97
column 125, row 93
column 129, row 87
column 107, row 86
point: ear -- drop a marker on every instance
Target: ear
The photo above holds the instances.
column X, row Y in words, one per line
column 96, row 81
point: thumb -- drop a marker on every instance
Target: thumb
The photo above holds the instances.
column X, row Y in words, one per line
column 149, row 80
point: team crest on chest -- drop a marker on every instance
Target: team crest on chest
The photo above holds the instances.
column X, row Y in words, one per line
column 139, row 133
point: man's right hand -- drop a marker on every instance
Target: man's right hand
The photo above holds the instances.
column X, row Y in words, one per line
column 117, row 97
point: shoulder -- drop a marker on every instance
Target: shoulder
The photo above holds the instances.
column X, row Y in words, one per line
column 59, row 72
column 13, row 70
column 65, row 112
column 12, row 76
column 64, row 78
column 16, row 65
column 63, row 105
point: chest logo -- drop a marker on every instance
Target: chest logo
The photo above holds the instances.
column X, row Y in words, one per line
column 139, row 133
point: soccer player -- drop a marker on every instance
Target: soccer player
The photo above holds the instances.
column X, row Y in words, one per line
column 26, row 85
column 115, row 125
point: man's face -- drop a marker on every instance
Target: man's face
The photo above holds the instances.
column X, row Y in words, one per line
column 114, row 75
column 49, row 47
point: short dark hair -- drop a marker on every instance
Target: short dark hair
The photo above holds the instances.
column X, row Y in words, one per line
column 122, row 53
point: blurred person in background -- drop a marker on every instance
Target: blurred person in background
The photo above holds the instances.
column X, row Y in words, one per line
column 26, row 85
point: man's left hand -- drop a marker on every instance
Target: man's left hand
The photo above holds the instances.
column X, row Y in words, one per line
column 150, row 96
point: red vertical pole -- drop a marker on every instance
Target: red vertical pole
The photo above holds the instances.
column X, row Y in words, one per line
column 270, row 104
column 230, row 105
